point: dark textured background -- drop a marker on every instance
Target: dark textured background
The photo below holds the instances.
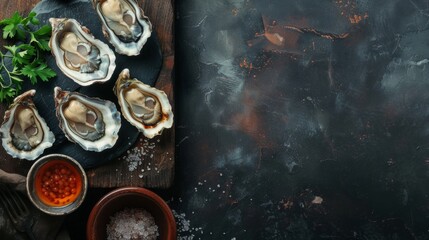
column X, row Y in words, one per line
column 324, row 135
column 299, row 119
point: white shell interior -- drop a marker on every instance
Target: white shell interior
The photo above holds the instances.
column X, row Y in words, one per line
column 111, row 118
column 124, row 82
column 131, row 48
column 24, row 101
column 107, row 56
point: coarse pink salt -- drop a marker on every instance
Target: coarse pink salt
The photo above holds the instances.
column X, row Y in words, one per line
column 132, row 223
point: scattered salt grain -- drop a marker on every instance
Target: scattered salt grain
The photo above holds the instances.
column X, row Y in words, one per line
column 135, row 155
column 184, row 229
column 132, row 223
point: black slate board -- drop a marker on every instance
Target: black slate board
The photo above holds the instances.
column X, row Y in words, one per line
column 144, row 67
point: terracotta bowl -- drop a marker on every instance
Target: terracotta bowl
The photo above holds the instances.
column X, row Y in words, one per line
column 68, row 196
column 130, row 197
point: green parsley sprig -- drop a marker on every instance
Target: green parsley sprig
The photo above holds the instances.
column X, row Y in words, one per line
column 26, row 57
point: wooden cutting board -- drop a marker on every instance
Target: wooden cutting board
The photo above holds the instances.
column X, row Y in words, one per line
column 147, row 163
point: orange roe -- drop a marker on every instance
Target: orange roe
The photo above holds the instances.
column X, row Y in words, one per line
column 58, row 183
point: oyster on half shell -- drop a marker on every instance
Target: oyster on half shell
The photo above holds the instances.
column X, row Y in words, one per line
column 124, row 25
column 24, row 132
column 145, row 107
column 78, row 54
column 92, row 123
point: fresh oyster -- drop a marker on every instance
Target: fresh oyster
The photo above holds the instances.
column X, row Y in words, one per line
column 78, row 54
column 124, row 25
column 145, row 107
column 92, row 123
column 24, row 132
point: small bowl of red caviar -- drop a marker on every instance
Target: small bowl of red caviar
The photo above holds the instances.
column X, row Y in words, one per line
column 57, row 184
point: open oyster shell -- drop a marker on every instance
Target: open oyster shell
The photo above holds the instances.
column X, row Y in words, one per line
column 145, row 107
column 92, row 123
column 24, row 132
column 78, row 54
column 124, row 25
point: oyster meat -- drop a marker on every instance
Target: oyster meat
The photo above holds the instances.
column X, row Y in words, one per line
column 78, row 54
column 145, row 107
column 92, row 123
column 24, row 132
column 124, row 25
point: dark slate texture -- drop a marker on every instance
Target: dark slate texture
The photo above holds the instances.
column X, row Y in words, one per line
column 323, row 135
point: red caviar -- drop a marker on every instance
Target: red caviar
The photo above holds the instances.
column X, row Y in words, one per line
column 58, row 183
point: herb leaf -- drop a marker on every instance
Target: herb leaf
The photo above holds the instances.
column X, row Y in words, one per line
column 27, row 56
column 44, row 32
column 38, row 71
column 11, row 25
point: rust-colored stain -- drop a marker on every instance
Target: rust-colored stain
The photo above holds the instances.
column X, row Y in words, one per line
column 355, row 19
column 246, row 64
column 349, row 10
column 259, row 64
column 276, row 33
column 283, row 35
column 250, row 121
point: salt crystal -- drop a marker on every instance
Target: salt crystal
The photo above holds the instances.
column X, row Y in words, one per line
column 135, row 156
column 132, row 224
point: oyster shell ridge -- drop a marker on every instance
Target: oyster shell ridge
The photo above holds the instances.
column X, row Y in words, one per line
column 25, row 101
column 124, row 81
column 133, row 48
column 112, row 127
column 106, row 56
